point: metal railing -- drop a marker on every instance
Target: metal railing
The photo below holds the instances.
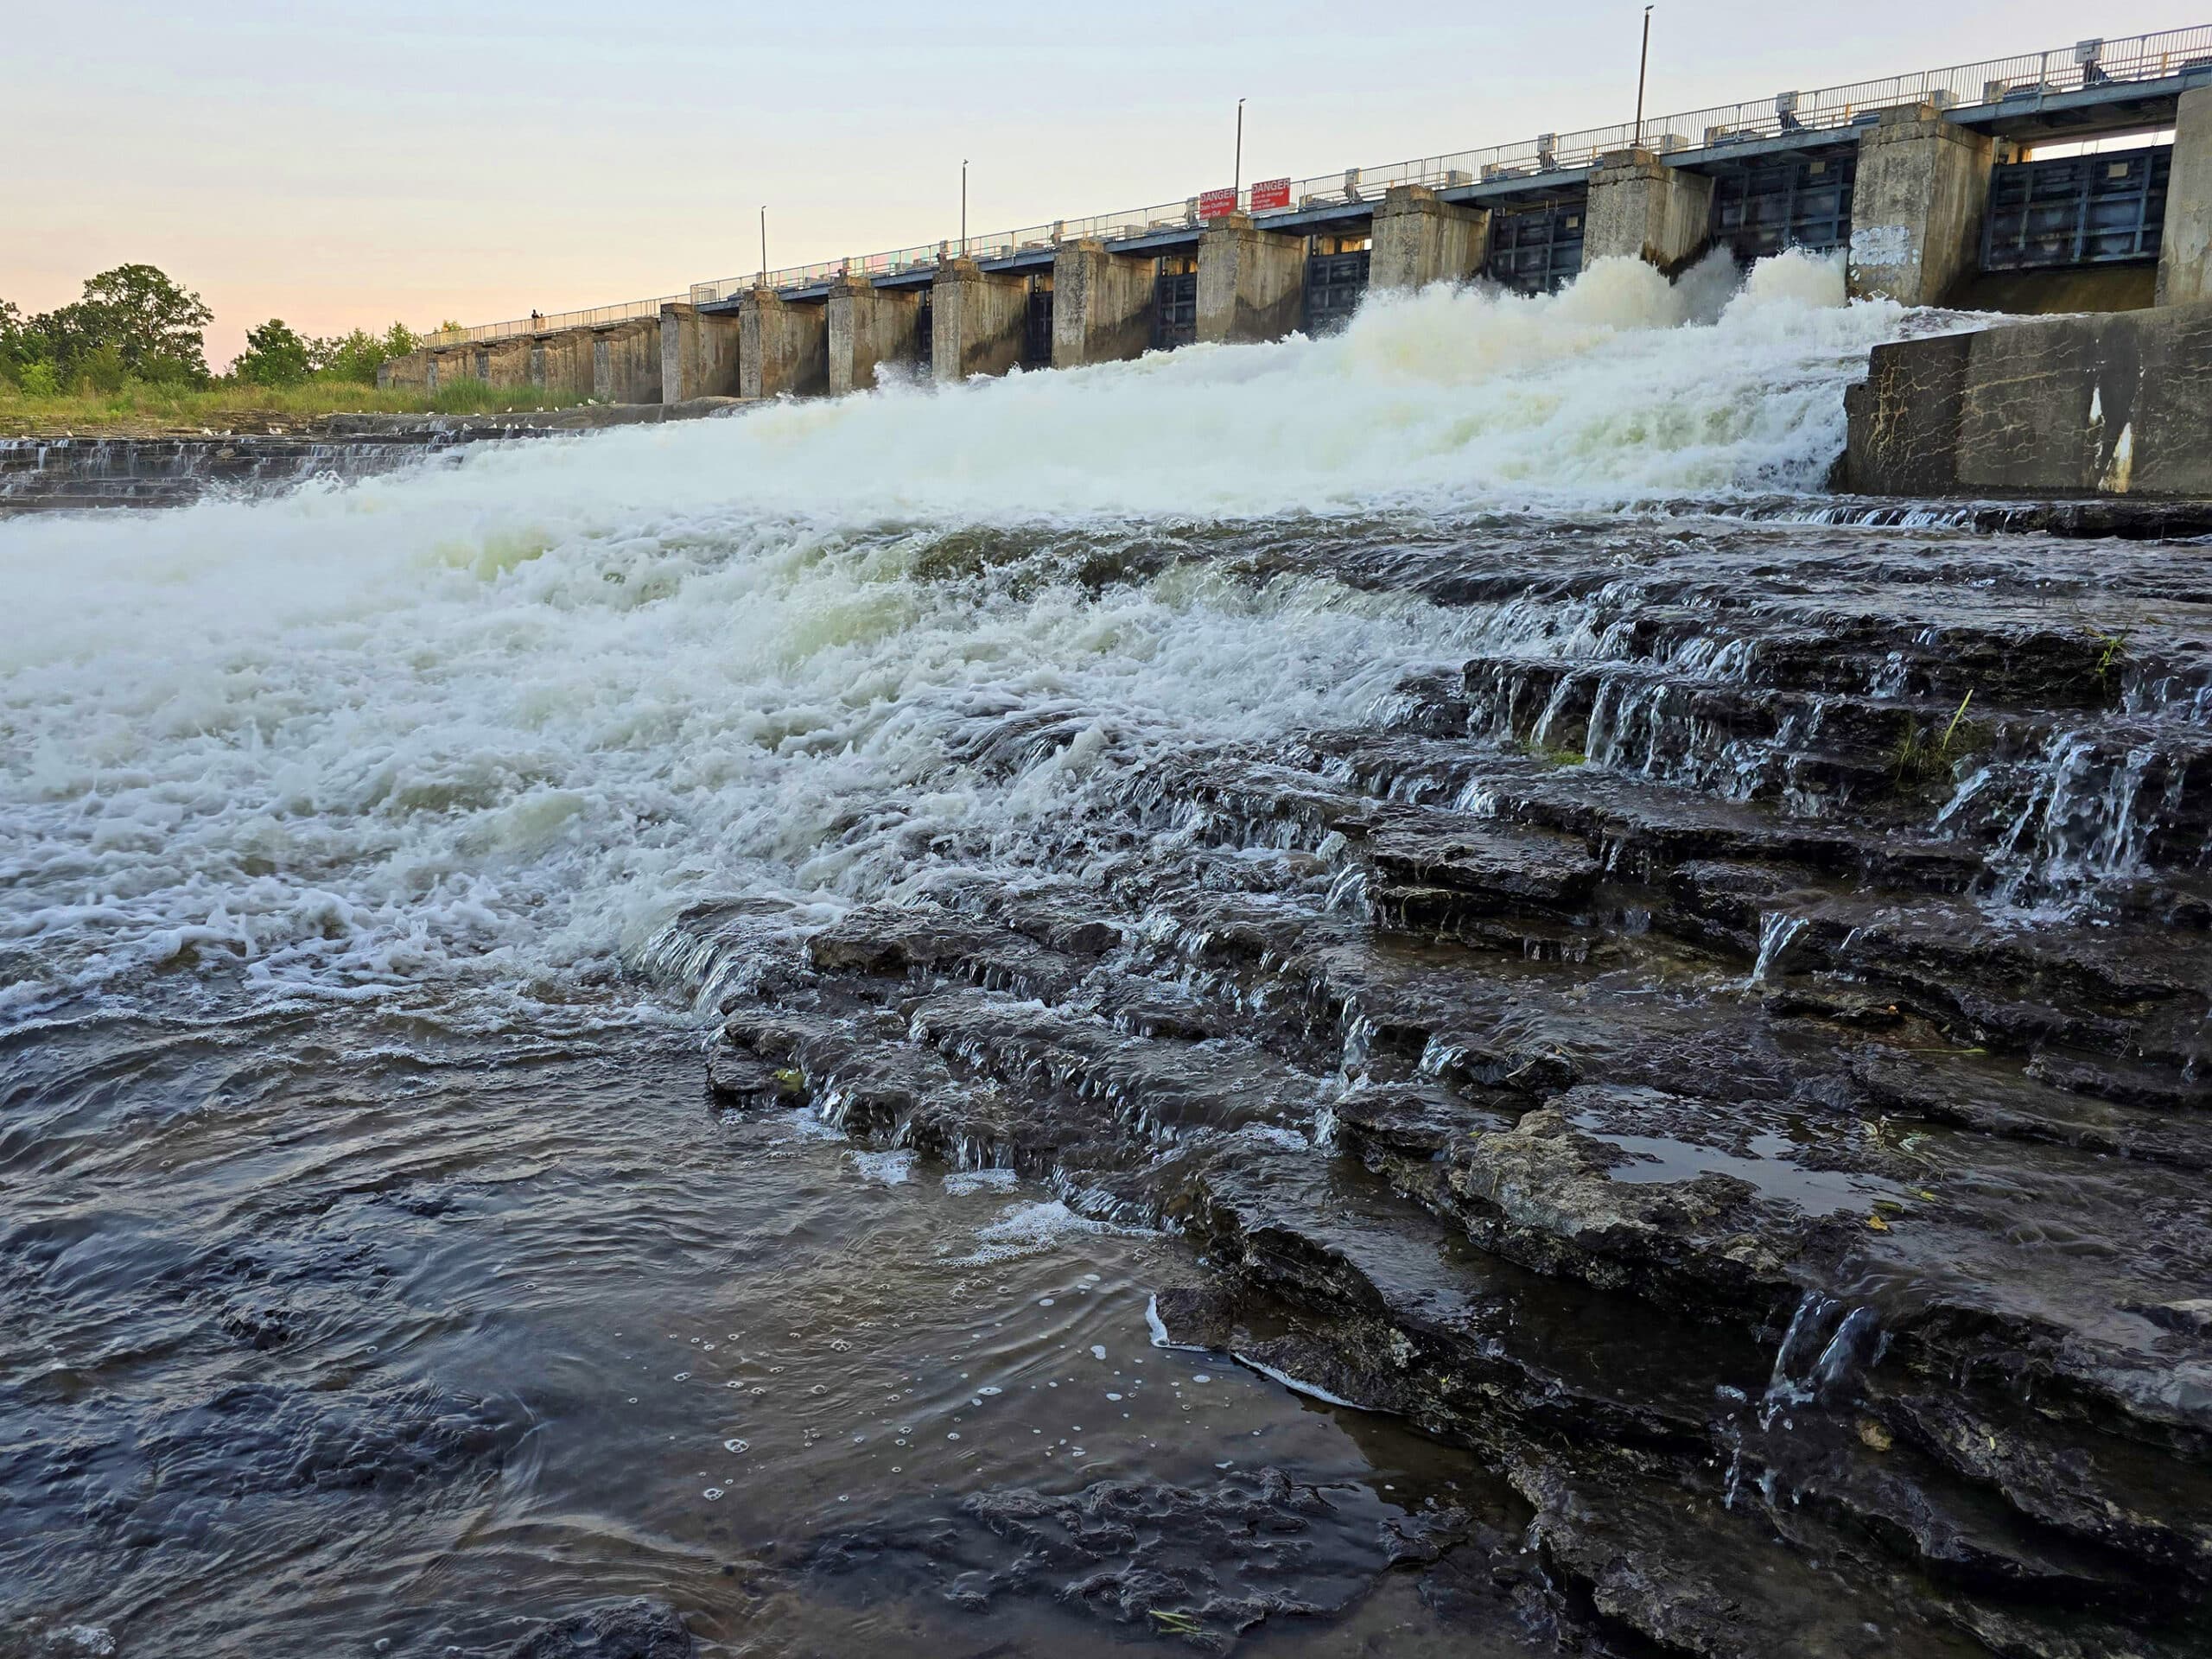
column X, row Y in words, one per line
column 2027, row 80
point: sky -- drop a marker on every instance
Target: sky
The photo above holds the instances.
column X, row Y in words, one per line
column 359, row 165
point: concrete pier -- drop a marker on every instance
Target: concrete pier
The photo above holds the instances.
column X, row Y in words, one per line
column 698, row 354
column 625, row 362
column 562, row 363
column 868, row 325
column 2185, row 246
column 1420, row 240
column 1640, row 208
column 1102, row 304
column 977, row 320
column 505, row 363
column 782, row 346
column 1917, row 205
column 1251, row 283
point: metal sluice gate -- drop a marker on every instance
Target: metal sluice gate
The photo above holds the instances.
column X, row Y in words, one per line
column 2077, row 210
column 1536, row 249
column 1799, row 201
column 1334, row 285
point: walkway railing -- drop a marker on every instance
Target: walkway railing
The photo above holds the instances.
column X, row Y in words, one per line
column 2026, row 79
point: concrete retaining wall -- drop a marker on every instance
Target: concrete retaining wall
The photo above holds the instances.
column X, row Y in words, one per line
column 2118, row 404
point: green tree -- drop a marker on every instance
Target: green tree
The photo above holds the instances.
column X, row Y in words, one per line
column 158, row 327
column 275, row 355
column 18, row 349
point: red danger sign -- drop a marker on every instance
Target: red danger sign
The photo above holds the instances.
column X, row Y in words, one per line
column 1270, row 193
column 1216, row 204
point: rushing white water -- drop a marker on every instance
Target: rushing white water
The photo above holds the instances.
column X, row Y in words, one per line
column 502, row 719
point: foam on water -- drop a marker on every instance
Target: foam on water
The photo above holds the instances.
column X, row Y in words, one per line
column 498, row 722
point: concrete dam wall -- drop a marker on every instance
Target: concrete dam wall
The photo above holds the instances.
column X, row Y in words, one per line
column 1995, row 199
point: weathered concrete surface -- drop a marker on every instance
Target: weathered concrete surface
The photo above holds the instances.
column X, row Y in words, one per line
column 698, row 354
column 2056, row 293
column 869, row 326
column 625, row 362
column 410, row 373
column 1102, row 304
column 1917, row 205
column 784, row 348
column 505, row 363
column 1640, row 208
column 976, row 321
column 2114, row 404
column 1420, row 240
column 2185, row 251
column 449, row 366
column 1251, row 283
column 561, row 362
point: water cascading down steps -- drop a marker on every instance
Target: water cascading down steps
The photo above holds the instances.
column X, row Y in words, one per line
column 1732, row 1052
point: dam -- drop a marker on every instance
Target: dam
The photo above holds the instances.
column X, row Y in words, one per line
column 2066, row 180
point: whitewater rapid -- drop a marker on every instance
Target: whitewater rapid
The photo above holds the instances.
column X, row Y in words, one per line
column 495, row 723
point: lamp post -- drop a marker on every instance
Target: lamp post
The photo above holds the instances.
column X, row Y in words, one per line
column 763, row 245
column 1236, row 175
column 1642, row 63
column 964, row 206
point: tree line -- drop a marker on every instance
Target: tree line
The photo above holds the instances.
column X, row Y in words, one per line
column 135, row 323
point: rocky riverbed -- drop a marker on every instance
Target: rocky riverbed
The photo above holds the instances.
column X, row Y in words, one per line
column 1731, row 1054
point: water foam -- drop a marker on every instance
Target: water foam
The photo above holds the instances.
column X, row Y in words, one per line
column 501, row 720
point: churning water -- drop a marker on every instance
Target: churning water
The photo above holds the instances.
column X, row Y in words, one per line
column 377, row 1272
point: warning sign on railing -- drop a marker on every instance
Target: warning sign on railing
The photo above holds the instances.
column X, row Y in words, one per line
column 1216, row 204
column 1270, row 193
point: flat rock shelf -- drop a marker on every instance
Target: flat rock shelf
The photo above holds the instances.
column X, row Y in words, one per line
column 1731, row 1054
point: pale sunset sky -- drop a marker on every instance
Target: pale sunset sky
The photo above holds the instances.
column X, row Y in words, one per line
column 352, row 165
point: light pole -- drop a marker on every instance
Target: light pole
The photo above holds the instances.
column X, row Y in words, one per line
column 964, row 206
column 763, row 245
column 1642, row 63
column 1236, row 176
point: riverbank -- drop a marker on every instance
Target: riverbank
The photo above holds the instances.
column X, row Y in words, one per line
column 146, row 411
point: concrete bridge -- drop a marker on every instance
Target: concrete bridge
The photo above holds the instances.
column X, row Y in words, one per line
column 1967, row 186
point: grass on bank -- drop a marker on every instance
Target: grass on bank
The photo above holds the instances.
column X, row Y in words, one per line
column 141, row 409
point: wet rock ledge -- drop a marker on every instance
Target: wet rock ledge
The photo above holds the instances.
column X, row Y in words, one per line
column 1732, row 1051
column 161, row 468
